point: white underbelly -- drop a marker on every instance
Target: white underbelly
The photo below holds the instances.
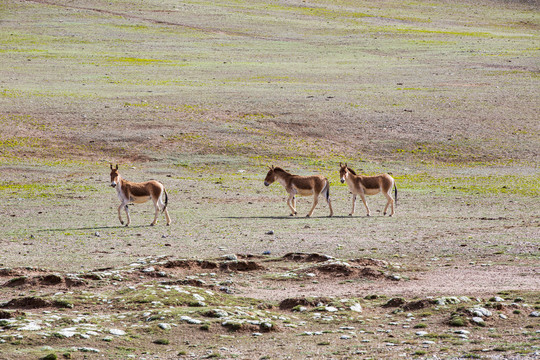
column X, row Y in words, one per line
column 371, row 191
column 304, row 192
column 139, row 199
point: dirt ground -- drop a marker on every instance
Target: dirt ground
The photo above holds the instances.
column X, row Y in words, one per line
column 203, row 96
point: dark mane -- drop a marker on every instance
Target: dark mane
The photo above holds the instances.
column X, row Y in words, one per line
column 278, row 169
column 351, row 170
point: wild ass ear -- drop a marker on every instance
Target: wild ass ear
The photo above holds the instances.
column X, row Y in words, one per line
column 116, row 166
column 111, row 166
column 340, row 165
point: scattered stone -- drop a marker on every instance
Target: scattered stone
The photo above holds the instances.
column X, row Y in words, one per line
column 30, row 327
column 356, row 308
column 256, row 334
column 216, row 313
column 478, row 321
column 480, row 312
column 345, row 337
column 148, row 270
column 231, row 257
column 88, row 349
column 535, row 314
column 421, row 333
column 502, row 316
column 271, row 232
column 331, row 309
column 117, row 332
column 164, row 326
column 68, row 333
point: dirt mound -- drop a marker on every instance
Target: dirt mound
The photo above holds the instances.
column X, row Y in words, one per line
column 394, row 302
column 291, row 303
column 50, row 279
column 240, row 265
column 30, row 302
column 368, row 262
column 15, row 282
column 305, row 257
column 417, row 305
column 233, row 265
column 191, row 264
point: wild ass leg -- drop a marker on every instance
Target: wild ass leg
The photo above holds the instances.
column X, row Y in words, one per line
column 330, row 206
column 363, row 197
column 315, row 202
column 156, row 207
column 353, row 204
column 290, row 201
column 167, row 217
column 120, row 214
column 127, row 215
column 293, row 202
column 389, row 202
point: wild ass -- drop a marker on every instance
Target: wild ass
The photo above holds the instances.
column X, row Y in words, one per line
column 300, row 185
column 138, row 193
column 368, row 185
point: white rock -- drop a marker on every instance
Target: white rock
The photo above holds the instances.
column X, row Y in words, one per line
column 357, row 308
column 164, row 326
column 477, row 320
column 331, row 309
column 30, row 327
column 345, row 337
column 67, row 333
column 117, row 332
column 535, row 314
column 421, row 333
column 198, row 297
column 502, row 316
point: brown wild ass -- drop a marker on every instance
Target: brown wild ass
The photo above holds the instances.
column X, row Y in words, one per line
column 300, row 185
column 368, row 185
column 138, row 193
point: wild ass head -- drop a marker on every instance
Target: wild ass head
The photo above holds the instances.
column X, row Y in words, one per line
column 114, row 175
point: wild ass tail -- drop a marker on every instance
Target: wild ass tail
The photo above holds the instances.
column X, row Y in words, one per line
column 395, row 194
column 327, row 190
column 166, row 200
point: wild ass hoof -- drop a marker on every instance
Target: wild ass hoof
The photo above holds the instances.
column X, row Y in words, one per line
column 350, row 214
column 308, row 215
column 121, row 222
